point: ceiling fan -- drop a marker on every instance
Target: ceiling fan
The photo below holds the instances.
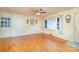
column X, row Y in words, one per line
column 39, row 11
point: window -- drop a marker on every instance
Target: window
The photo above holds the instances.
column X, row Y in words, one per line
column 54, row 23
column 5, row 22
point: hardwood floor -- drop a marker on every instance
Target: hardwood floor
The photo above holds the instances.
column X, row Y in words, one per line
column 34, row 43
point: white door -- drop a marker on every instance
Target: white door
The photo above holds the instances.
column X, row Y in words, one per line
column 76, row 28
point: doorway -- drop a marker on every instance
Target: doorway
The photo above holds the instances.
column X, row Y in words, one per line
column 75, row 43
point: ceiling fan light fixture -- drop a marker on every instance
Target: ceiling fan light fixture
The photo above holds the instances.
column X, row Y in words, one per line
column 38, row 13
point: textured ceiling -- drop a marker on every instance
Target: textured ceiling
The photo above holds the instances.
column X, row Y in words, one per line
column 28, row 10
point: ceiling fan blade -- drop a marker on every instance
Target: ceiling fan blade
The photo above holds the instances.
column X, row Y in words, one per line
column 34, row 11
column 43, row 12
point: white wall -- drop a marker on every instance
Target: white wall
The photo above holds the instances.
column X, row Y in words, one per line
column 68, row 28
column 19, row 25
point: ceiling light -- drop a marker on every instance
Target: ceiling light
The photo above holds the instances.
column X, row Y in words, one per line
column 38, row 13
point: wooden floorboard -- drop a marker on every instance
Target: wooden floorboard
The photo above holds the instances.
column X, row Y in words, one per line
column 34, row 43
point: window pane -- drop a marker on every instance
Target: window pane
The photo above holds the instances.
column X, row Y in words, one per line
column 2, row 25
